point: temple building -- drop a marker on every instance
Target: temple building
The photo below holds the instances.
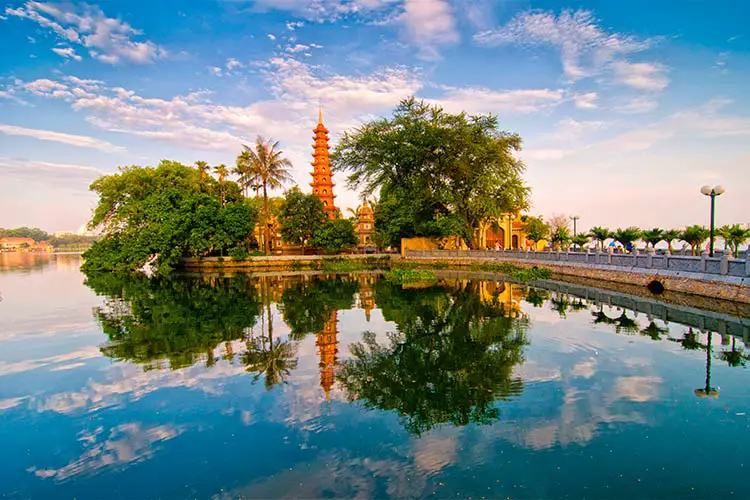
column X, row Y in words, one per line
column 505, row 232
column 322, row 183
column 327, row 342
column 365, row 226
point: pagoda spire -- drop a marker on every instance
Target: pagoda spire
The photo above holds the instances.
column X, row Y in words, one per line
column 322, row 183
column 326, row 342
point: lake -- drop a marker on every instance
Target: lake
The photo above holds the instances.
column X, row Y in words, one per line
column 322, row 386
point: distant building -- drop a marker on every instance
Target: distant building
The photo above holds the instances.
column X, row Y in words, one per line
column 365, row 226
column 15, row 244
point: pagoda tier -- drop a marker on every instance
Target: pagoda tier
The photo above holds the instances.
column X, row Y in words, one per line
column 322, row 183
column 326, row 342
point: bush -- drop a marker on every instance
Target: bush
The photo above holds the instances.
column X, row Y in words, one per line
column 238, row 253
column 401, row 276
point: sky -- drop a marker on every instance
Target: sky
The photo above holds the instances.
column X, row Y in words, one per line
column 625, row 108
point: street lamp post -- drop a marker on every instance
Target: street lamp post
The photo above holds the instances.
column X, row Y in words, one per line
column 574, row 218
column 713, row 192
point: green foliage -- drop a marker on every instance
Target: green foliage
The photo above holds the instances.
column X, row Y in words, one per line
column 536, row 229
column 561, row 237
column 515, row 272
column 348, row 266
column 450, row 362
column 600, row 234
column 695, row 236
column 627, row 236
column 239, row 253
column 734, row 235
column 167, row 211
column 34, row 233
column 401, row 276
column 653, row 236
column 301, row 217
column 581, row 239
column 670, row 235
column 149, row 321
column 307, row 305
column 72, row 239
column 438, row 173
column 335, row 235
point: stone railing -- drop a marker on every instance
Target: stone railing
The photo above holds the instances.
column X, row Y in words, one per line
column 724, row 265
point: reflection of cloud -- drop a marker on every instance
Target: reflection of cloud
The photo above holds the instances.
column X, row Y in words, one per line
column 584, row 369
column 33, row 364
column 432, row 454
column 638, row 389
column 10, row 403
column 126, row 444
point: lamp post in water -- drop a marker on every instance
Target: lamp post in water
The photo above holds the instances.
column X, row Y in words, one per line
column 713, row 192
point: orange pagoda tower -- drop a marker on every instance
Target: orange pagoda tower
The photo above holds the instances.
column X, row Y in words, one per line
column 322, row 183
column 326, row 343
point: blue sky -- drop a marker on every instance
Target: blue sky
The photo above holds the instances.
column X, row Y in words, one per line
column 625, row 108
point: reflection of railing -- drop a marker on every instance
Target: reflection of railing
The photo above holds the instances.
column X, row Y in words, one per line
column 678, row 263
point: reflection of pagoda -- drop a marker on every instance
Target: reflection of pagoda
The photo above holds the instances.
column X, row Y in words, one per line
column 366, row 296
column 507, row 295
column 322, row 183
column 326, row 343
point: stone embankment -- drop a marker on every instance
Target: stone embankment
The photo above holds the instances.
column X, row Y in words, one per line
column 723, row 278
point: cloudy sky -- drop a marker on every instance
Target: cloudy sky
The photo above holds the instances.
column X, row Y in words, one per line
column 626, row 108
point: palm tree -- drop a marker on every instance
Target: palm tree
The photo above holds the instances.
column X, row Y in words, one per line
column 627, row 236
column 202, row 167
column 695, row 235
column 561, row 237
column 581, row 239
column 669, row 236
column 734, row 236
column 266, row 164
column 247, row 177
column 600, row 234
column 222, row 172
column 653, row 236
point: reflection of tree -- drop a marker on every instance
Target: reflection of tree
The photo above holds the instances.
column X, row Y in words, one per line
column 654, row 331
column 561, row 304
column 734, row 357
column 625, row 324
column 450, row 360
column 274, row 361
column 147, row 320
column 536, row 296
column 306, row 305
column 601, row 318
column 689, row 341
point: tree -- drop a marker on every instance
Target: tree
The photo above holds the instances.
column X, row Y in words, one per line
column 302, row 216
column 165, row 211
column 669, row 236
column 266, row 164
column 653, row 236
column 202, row 168
column 536, row 229
column 221, row 172
column 734, row 235
column 335, row 235
column 627, row 236
column 581, row 239
column 439, row 172
column 600, row 234
column 34, row 233
column 694, row 236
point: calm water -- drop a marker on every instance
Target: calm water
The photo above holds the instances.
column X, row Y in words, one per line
column 352, row 387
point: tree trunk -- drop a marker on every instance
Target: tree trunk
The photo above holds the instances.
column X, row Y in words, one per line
column 267, row 232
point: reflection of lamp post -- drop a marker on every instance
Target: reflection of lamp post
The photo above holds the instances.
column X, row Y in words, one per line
column 713, row 192
column 708, row 390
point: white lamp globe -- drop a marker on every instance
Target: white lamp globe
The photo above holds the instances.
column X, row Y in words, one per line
column 706, row 190
column 719, row 189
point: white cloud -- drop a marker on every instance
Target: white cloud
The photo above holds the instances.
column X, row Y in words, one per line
column 271, row 36
column 108, row 39
column 73, row 140
column 429, row 23
column 322, row 10
column 293, row 25
column 228, row 69
column 643, row 76
column 585, row 101
column 480, row 100
column 585, row 48
column 67, row 52
column 638, row 104
column 297, row 48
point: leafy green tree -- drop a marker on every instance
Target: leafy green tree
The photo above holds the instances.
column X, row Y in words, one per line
column 600, row 235
column 307, row 304
column 166, row 211
column 434, row 168
column 34, row 233
column 627, row 236
column 301, row 218
column 266, row 164
column 734, row 235
column 581, row 239
column 670, row 235
column 179, row 321
column 561, row 237
column 653, row 236
column 695, row 236
column 536, row 229
column 335, row 235
column 450, row 361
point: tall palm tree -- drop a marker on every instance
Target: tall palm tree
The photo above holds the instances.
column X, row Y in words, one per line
column 247, row 177
column 695, row 236
column 669, row 236
column 599, row 234
column 221, row 171
column 270, row 168
column 734, row 236
column 202, row 167
column 653, row 236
